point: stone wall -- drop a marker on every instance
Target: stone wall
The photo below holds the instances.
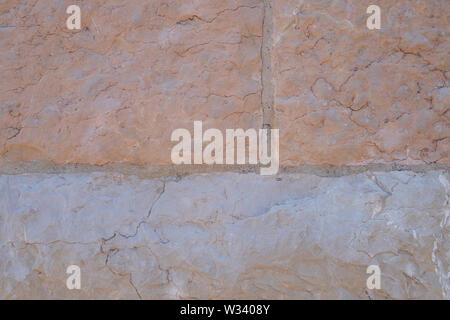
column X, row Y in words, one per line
column 86, row 176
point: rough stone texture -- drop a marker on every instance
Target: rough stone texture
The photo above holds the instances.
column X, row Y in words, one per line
column 115, row 91
column 108, row 97
column 225, row 235
column 345, row 94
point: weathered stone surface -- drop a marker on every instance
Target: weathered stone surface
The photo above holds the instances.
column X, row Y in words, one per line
column 111, row 94
column 115, row 90
column 345, row 94
column 225, row 235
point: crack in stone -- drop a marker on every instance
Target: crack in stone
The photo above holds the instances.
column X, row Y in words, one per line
column 157, row 198
column 135, row 288
column 18, row 130
column 143, row 221
column 129, row 274
column 196, row 17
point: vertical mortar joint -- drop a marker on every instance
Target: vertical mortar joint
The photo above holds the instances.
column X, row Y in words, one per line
column 267, row 95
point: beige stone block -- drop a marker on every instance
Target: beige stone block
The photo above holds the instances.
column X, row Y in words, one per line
column 347, row 95
column 115, row 90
